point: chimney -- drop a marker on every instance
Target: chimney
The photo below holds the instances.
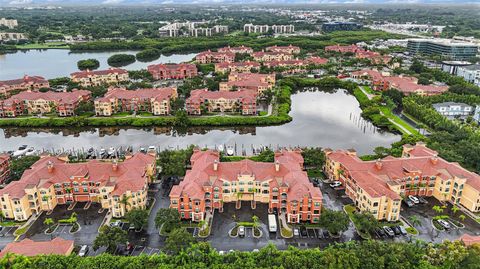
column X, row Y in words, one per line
column 50, row 166
column 114, row 165
column 277, row 166
column 378, row 164
column 215, row 165
column 434, row 159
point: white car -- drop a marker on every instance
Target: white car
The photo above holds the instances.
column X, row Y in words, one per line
column 20, row 151
column 152, row 148
column 336, row 184
column 444, row 223
column 413, row 199
column 30, row 152
column 83, row 251
column 296, row 232
column 221, row 252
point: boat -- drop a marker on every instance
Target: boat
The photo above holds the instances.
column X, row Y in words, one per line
column 220, row 148
column 230, row 151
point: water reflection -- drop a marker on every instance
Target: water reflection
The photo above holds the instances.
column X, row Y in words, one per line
column 319, row 119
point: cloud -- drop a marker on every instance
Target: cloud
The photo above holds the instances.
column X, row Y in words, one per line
column 20, row 2
column 355, row 2
column 112, row 2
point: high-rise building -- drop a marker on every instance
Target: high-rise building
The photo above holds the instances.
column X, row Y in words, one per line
column 445, row 47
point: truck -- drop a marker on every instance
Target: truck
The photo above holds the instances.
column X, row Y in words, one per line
column 272, row 223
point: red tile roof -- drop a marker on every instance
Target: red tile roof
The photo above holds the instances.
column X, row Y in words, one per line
column 197, row 96
column 28, row 247
column 129, row 175
column 88, row 73
column 317, row 60
column 58, row 97
column 237, row 64
column 158, row 94
column 239, row 49
column 25, row 79
column 469, row 240
column 283, row 49
column 344, row 49
column 172, row 67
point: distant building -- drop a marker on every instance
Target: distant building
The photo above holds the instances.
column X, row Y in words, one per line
column 444, row 47
column 12, row 36
column 240, row 67
column 276, row 29
column 344, row 49
column 341, row 26
column 266, row 56
column 208, row 56
column 451, row 67
column 248, row 81
column 8, row 23
column 30, row 248
column 244, row 101
column 241, row 50
column 284, row 49
column 470, row 73
column 155, row 101
column 23, row 84
column 35, row 102
column 453, row 110
column 172, row 71
column 89, row 78
column 191, row 29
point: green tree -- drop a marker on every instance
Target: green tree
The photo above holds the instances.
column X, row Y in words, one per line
column 90, row 64
column 437, row 209
column 49, row 222
column 168, row 217
column 148, row 55
column 110, row 237
column 335, row 222
column 178, row 240
column 415, row 221
column 118, row 60
column 366, row 222
column 19, row 165
column 137, row 217
column 181, row 119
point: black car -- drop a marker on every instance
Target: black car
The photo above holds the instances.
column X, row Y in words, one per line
column 303, row 231
column 319, row 234
column 396, row 230
column 326, row 234
column 380, row 232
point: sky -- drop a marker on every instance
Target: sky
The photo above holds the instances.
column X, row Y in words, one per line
column 115, row 2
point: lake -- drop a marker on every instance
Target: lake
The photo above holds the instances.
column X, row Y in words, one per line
column 319, row 119
column 53, row 63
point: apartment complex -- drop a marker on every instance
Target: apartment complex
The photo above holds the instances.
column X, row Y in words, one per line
column 209, row 56
column 7, row 36
column 378, row 186
column 52, row 181
column 284, row 49
column 266, row 56
column 155, row 101
column 110, row 76
column 248, row 81
column 194, row 29
column 276, row 29
column 8, row 23
column 283, row 185
column 407, row 85
column 172, row 71
column 450, row 48
column 4, row 167
column 35, row 102
column 341, row 26
column 470, row 73
column 23, row 84
column 344, row 49
column 240, row 49
column 239, row 67
column 202, row 100
column 453, row 110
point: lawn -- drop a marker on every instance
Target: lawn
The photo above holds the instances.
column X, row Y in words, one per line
column 11, row 223
column 53, row 45
column 388, row 113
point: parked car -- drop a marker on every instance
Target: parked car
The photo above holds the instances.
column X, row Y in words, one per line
column 83, row 251
column 255, row 250
column 116, row 224
column 409, row 203
column 422, row 200
column 30, row 152
column 129, row 247
column 388, row 231
column 403, row 231
column 444, row 223
column 295, row 231
column 152, row 148
column 303, row 231
column 221, row 252
column 336, row 184
column 319, row 234
column 396, row 230
column 20, row 151
column 414, row 199
column 380, row 232
column 241, row 231
column 131, row 226
column 326, row 234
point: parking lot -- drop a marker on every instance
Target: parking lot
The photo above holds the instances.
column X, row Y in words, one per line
column 8, row 231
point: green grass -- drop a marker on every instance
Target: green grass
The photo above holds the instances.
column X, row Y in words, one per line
column 411, row 230
column 21, row 231
column 388, row 113
column 262, row 113
column 52, row 45
column 122, row 114
column 318, row 173
column 369, row 90
column 10, row 223
column 286, row 233
column 350, row 209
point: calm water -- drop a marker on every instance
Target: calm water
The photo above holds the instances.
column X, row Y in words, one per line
column 55, row 63
column 319, row 119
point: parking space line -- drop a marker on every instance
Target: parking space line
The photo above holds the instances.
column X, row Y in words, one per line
column 142, row 251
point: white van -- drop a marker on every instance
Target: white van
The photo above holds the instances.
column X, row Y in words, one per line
column 272, row 223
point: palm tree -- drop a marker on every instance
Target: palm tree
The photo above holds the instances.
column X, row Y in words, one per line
column 437, row 209
column 415, row 221
column 455, row 209
column 255, row 221
column 125, row 201
column 462, row 217
column 201, row 224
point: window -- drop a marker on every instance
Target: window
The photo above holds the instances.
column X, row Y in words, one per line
column 375, row 204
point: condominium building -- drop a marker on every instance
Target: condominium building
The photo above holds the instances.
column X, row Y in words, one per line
column 470, row 73
column 373, row 57
column 455, row 50
column 191, row 29
column 288, row 66
column 284, row 49
column 8, row 23
column 378, row 186
column 35, row 102
column 155, row 101
column 248, row 81
column 172, row 71
column 4, row 167
column 240, row 49
column 209, row 31
column 283, row 185
column 317, row 60
column 23, row 84
column 12, row 36
column 261, row 29
column 52, row 181
column 341, row 26
column 110, row 76
column 239, row 67
column 265, row 56
column 452, row 110
column 208, row 56
column 407, row 85
column 344, row 49
column 244, row 101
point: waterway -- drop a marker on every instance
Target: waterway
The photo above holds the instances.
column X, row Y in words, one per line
column 53, row 63
column 319, row 119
